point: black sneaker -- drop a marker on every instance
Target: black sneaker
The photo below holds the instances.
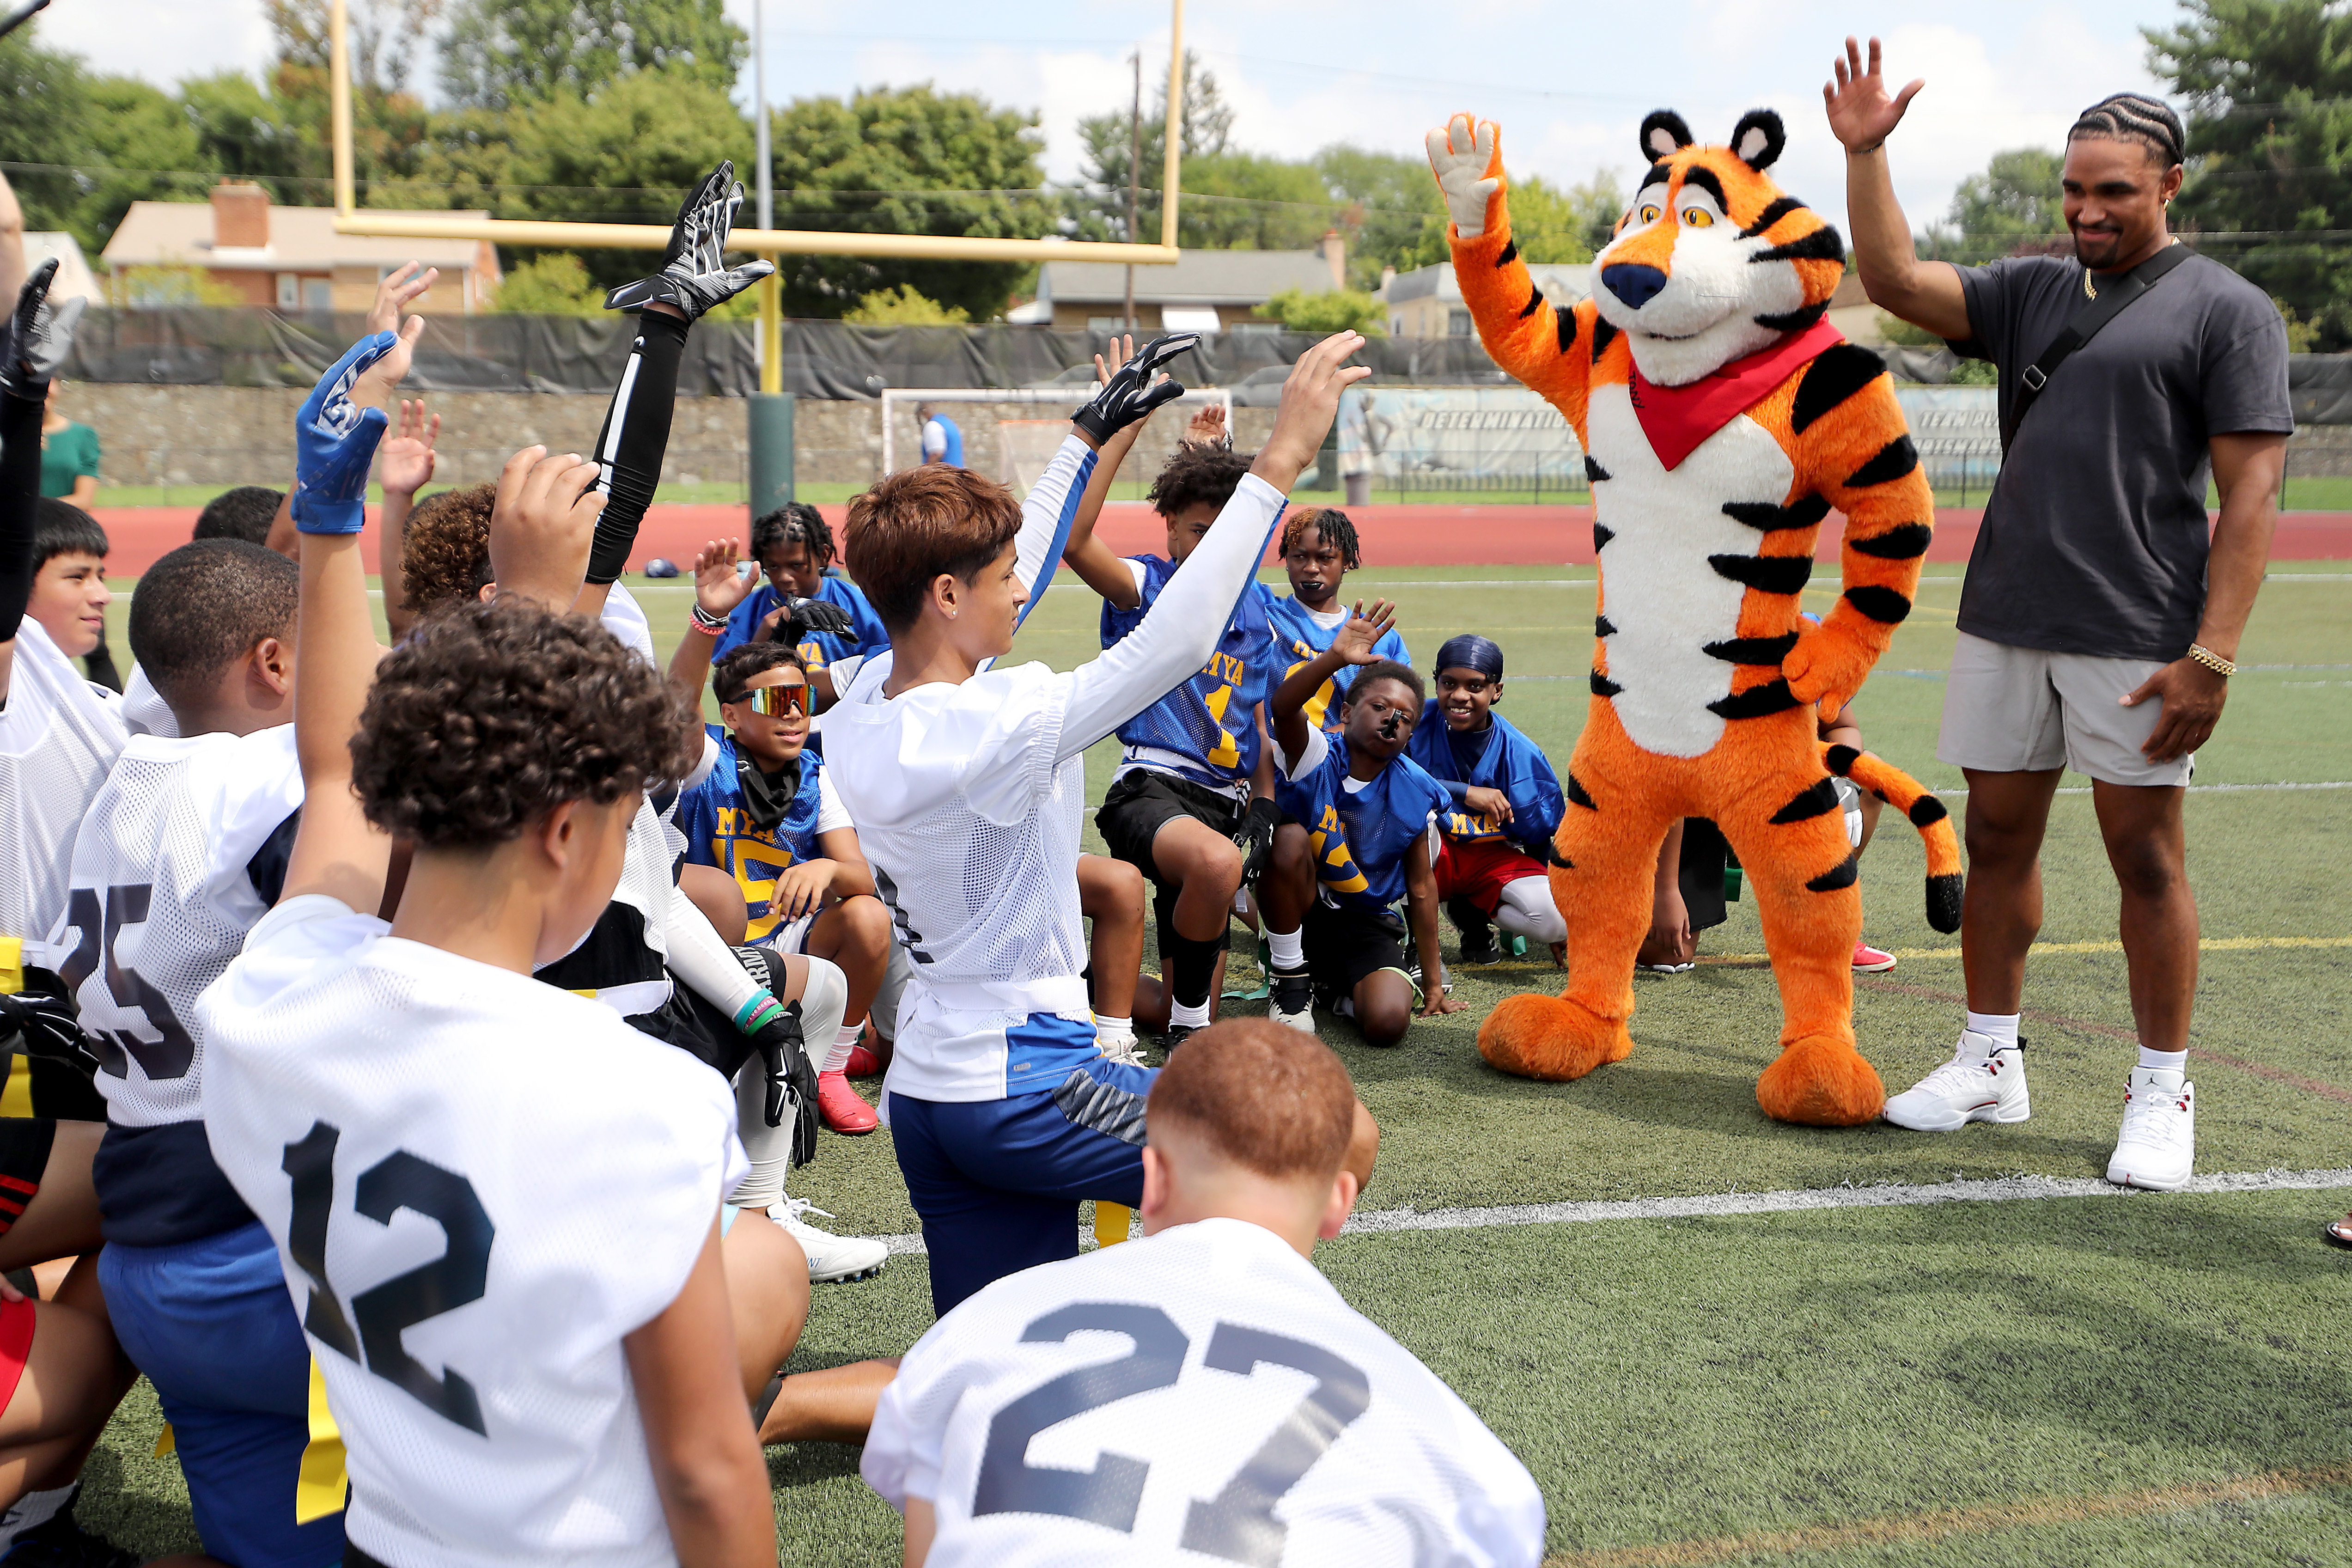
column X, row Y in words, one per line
column 1174, row 1036
column 1478, row 945
column 1293, row 1000
column 61, row 1542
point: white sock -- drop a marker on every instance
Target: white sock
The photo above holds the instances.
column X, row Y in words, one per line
column 1189, row 1017
column 2165, row 1061
column 1287, row 949
column 1114, row 1034
column 34, row 1510
column 843, row 1039
column 2000, row 1026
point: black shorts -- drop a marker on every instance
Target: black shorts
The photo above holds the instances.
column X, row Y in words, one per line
column 1343, row 946
column 1142, row 801
column 25, row 1143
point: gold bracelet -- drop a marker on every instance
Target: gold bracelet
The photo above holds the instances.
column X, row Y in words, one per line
column 2211, row 660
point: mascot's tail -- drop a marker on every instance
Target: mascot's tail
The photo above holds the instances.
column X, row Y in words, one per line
column 1914, row 800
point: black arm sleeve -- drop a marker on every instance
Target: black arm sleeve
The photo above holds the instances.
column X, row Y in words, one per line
column 636, row 434
column 20, row 491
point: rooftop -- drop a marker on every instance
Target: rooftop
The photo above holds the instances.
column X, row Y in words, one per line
column 180, row 234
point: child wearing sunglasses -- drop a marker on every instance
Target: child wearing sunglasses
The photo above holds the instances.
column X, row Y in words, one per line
column 767, row 817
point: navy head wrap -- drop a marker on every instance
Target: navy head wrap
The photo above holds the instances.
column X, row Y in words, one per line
column 1471, row 652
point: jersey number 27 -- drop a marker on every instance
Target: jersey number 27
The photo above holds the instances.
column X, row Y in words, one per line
column 1238, row 1523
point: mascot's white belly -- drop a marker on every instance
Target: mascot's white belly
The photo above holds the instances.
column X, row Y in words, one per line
column 1657, row 589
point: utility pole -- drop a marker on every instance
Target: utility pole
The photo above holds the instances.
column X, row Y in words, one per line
column 1134, row 175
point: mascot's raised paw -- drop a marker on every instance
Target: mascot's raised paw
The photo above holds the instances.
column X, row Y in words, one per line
column 1550, row 1037
column 1468, row 164
column 1821, row 1081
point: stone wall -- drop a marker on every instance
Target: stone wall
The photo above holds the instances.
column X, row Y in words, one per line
column 232, row 436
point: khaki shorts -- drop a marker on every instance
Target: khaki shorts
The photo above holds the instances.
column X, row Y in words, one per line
column 2022, row 710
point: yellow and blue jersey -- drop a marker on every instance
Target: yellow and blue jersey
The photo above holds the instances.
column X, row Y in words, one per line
column 1499, row 757
column 1208, row 726
column 717, row 822
column 1298, row 638
column 866, row 634
column 1361, row 837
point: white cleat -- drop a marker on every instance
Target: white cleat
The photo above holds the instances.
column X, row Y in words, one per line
column 2158, row 1147
column 1127, row 1050
column 830, row 1258
column 1984, row 1081
column 1292, row 1000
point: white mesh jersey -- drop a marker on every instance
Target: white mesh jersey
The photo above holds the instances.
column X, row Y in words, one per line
column 58, row 735
column 1191, row 1397
column 162, row 895
column 969, row 801
column 465, row 1276
column 144, row 712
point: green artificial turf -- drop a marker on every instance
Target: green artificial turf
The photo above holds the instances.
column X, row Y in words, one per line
column 2057, row 1381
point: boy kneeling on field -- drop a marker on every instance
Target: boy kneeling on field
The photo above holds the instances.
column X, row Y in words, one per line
column 1356, row 839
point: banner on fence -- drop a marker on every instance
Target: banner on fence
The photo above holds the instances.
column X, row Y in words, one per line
column 1439, row 438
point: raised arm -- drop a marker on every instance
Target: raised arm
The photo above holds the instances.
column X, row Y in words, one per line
column 719, row 588
column 406, row 465
column 1096, row 564
column 1176, row 637
column 1862, row 116
column 1354, row 645
column 337, row 851
column 32, row 343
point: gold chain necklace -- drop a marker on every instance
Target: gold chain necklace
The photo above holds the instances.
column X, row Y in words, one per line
column 2091, row 293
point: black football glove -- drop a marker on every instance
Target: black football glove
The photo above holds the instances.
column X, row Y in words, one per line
column 38, row 335
column 803, row 616
column 792, row 1080
column 694, row 275
column 1255, row 840
column 47, row 1026
column 1130, row 395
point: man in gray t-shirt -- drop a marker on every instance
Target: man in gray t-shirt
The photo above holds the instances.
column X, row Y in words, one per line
column 2098, row 623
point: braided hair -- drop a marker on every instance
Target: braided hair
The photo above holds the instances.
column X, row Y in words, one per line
column 1334, row 527
column 794, row 523
column 2136, row 117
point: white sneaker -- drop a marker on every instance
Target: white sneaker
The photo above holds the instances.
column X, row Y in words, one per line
column 1126, row 1050
column 1291, row 1000
column 830, row 1258
column 1984, row 1081
column 2158, row 1147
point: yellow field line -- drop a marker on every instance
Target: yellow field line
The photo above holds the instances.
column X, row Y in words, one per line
column 1940, row 1524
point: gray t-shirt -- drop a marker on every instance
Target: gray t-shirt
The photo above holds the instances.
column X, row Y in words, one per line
column 2095, row 537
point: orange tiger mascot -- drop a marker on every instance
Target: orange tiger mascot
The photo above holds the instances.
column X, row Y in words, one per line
column 1722, row 417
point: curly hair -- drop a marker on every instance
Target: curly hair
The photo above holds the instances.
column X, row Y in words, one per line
column 489, row 716
column 1197, row 474
column 1337, row 529
column 446, row 558
column 794, row 523
column 747, row 660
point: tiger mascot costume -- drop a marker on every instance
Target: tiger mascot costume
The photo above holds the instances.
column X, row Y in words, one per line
column 1722, row 417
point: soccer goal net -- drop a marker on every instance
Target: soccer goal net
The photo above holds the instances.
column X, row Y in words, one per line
column 1025, row 441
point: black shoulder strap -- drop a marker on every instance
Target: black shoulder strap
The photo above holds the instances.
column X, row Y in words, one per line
column 2082, row 328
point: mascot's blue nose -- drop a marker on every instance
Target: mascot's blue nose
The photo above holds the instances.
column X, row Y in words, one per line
column 1630, row 281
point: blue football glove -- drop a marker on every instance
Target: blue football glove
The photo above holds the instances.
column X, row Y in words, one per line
column 335, row 442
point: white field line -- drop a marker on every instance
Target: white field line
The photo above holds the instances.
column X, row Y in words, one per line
column 2004, row 1189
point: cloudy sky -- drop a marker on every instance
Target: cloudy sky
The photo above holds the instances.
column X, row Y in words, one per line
column 1568, row 83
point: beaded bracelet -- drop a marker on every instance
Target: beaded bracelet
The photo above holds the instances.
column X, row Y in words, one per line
column 2211, row 660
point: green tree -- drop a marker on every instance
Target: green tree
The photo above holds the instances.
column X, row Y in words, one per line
column 496, row 53
column 554, row 283
column 2269, row 85
column 1329, row 310
column 389, row 122
column 241, row 130
column 136, row 128
column 1551, row 225
column 1247, row 200
column 1389, row 207
column 2013, row 207
column 902, row 307
column 45, row 120
column 906, row 160
column 1099, row 205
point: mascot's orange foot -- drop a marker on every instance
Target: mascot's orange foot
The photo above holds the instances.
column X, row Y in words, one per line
column 1550, row 1037
column 1821, row 1081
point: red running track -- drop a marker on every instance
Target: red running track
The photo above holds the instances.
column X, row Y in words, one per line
column 1415, row 535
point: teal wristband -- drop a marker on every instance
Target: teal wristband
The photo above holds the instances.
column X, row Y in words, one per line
column 758, row 1013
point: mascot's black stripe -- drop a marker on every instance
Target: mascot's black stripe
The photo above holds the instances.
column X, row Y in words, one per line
column 1752, row 650
column 1841, row 760
column 1535, row 297
column 1884, row 606
column 1601, row 535
column 1704, row 178
column 1904, row 541
column 1824, row 243
column 1604, row 687
column 1927, row 811
column 1511, row 252
column 1593, row 472
column 1603, row 627
column 1755, row 702
column 1660, row 173
column 1768, row 574
column 1781, row 207
column 1578, row 795
column 1604, row 334
column 1795, row 321
column 1844, row 874
column 1894, row 459
column 1765, row 518
column 1830, row 380
column 1944, row 901
column 1566, row 322
column 1818, row 799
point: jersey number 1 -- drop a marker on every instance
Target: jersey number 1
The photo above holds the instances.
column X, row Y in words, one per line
column 398, row 1180
column 1238, row 1523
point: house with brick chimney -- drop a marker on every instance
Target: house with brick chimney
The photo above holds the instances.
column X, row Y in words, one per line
column 285, row 258
column 1207, row 291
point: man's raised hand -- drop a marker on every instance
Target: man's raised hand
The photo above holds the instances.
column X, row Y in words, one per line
column 1310, row 401
column 542, row 524
column 1364, row 628
column 1468, row 164
column 1133, row 389
column 1862, row 115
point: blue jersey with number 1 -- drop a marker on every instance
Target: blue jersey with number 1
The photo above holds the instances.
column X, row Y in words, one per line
column 1208, row 726
column 1298, row 638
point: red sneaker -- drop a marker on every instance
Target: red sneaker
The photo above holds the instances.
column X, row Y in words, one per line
column 862, row 1063
column 843, row 1107
column 1868, row 960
